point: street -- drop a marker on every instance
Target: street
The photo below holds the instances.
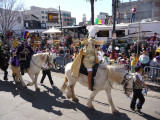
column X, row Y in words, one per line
column 51, row 104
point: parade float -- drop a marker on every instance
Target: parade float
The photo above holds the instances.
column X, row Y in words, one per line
column 126, row 32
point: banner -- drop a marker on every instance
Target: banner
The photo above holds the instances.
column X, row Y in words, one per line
column 52, row 17
column 98, row 21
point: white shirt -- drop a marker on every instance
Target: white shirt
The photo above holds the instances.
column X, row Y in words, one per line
column 45, row 66
column 29, row 39
column 100, row 55
column 139, row 75
column 54, row 55
column 110, row 48
column 154, row 62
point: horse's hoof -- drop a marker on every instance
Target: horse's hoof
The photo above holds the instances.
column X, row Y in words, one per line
column 75, row 99
column 28, row 84
column 69, row 95
column 5, row 78
column 91, row 108
column 115, row 111
column 37, row 89
column 25, row 87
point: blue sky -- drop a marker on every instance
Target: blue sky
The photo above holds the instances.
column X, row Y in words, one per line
column 76, row 7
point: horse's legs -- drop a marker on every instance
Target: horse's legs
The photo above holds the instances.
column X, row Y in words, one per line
column 15, row 77
column 113, row 108
column 74, row 98
column 35, row 83
column 69, row 91
column 21, row 79
column 89, row 103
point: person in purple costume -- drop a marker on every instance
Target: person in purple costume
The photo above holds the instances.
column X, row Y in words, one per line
column 24, row 54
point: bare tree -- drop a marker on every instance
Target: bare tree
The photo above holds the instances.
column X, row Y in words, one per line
column 9, row 15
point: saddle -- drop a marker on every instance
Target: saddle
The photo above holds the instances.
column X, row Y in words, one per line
column 84, row 71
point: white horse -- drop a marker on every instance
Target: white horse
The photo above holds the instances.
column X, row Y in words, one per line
column 34, row 70
column 105, row 77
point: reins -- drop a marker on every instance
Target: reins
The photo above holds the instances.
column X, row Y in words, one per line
column 37, row 65
column 123, row 82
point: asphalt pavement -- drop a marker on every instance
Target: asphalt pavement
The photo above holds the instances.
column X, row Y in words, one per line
column 51, row 104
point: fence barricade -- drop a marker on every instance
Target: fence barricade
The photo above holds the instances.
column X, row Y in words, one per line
column 152, row 72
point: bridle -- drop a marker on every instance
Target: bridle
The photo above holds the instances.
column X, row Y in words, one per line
column 125, row 83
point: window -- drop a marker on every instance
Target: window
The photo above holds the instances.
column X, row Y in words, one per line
column 67, row 19
column 43, row 21
column 46, row 12
column 68, row 24
column 64, row 14
column 42, row 17
column 120, row 33
column 104, row 33
column 42, row 12
column 46, row 17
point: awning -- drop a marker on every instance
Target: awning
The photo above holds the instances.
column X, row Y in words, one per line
column 53, row 30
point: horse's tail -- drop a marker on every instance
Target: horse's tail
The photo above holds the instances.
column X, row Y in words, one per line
column 64, row 84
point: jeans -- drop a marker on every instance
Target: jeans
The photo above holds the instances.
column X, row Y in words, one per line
column 133, row 17
column 118, row 20
column 60, row 61
column 125, row 20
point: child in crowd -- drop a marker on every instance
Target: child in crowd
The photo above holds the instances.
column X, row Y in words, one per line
column 134, row 61
column 138, row 83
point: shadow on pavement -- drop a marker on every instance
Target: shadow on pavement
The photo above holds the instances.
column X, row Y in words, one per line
column 98, row 115
column 8, row 86
column 47, row 100
column 154, row 88
column 121, row 116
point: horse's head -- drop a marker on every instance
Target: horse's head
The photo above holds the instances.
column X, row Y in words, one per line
column 127, row 84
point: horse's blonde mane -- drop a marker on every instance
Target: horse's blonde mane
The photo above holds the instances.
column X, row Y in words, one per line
column 115, row 74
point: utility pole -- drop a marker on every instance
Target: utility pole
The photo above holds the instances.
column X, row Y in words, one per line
column 60, row 17
column 114, row 6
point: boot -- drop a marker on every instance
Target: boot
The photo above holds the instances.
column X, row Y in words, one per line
column 89, row 79
column 22, row 69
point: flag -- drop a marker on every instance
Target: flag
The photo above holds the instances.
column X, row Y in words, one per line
column 99, row 22
column 96, row 21
column 87, row 22
column 102, row 22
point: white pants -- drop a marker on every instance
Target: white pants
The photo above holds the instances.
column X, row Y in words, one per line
column 89, row 69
